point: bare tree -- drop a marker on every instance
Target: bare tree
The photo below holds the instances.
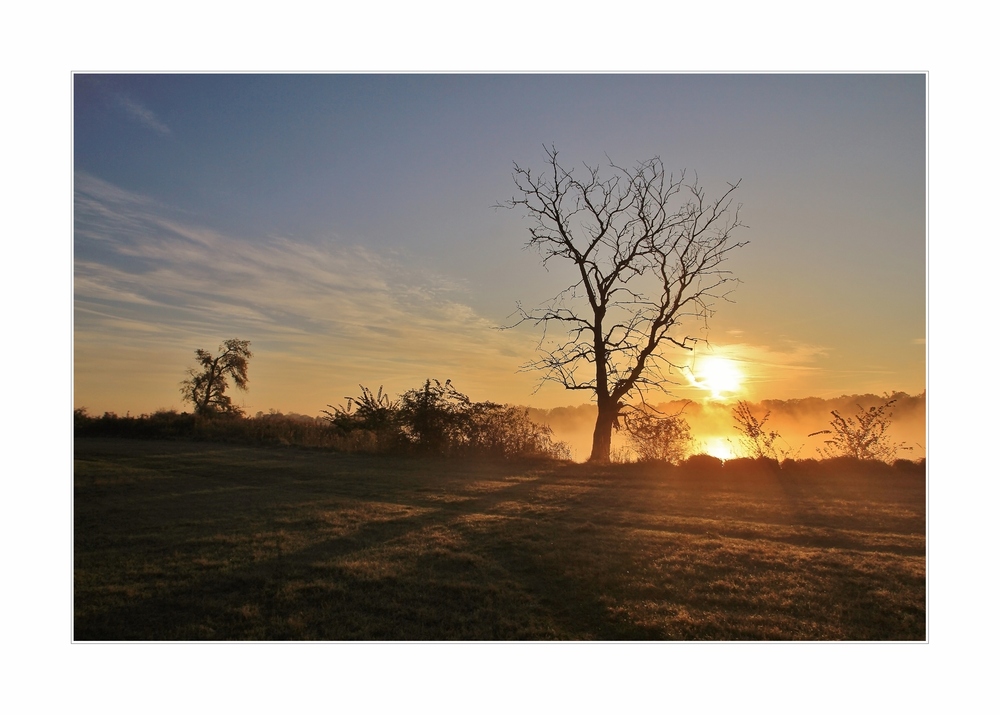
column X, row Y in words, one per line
column 206, row 386
column 647, row 250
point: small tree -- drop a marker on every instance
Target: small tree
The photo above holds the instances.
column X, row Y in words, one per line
column 863, row 436
column 206, row 386
column 658, row 439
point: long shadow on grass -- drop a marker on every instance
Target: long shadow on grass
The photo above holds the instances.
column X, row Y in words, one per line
column 527, row 560
column 871, row 609
column 425, row 576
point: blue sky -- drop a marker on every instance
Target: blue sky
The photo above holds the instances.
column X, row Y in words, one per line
column 345, row 224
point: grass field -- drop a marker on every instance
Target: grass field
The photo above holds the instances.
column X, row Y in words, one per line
column 192, row 541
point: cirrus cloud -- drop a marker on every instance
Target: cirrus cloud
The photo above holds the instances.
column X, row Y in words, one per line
column 151, row 285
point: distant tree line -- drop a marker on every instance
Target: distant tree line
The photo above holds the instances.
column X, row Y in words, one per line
column 273, row 428
column 438, row 420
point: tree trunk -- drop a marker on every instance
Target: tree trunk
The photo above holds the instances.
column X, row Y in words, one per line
column 606, row 415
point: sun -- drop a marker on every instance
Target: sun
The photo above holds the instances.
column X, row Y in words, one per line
column 720, row 376
column 720, row 448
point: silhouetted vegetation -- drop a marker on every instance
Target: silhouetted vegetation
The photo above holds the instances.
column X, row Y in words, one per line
column 863, row 436
column 435, row 420
column 206, row 386
column 369, row 419
column 647, row 249
column 756, row 441
column 658, row 438
column 704, row 465
column 794, row 419
column 273, row 428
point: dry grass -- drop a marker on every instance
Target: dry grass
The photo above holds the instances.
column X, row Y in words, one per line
column 187, row 541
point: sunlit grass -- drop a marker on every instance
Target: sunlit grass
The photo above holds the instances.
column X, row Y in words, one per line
column 192, row 541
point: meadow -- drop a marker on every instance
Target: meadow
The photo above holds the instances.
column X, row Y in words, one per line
column 185, row 540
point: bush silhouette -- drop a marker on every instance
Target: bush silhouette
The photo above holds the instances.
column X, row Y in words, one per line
column 863, row 436
column 436, row 419
column 704, row 464
column 658, row 439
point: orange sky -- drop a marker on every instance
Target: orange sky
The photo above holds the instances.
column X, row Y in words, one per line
column 344, row 225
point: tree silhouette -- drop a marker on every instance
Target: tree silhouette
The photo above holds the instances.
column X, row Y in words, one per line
column 434, row 416
column 658, row 438
column 647, row 251
column 758, row 442
column 863, row 436
column 206, row 386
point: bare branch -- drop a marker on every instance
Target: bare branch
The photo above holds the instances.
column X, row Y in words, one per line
column 648, row 248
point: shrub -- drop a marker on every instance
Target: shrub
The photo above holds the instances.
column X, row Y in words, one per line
column 658, row 439
column 750, row 466
column 371, row 413
column 863, row 436
column 911, row 466
column 437, row 419
column 703, row 464
column 758, row 442
column 505, row 431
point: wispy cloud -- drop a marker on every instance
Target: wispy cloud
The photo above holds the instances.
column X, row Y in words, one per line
column 788, row 369
column 143, row 115
column 148, row 282
column 768, row 367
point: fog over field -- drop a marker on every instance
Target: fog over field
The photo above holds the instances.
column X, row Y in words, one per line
column 712, row 422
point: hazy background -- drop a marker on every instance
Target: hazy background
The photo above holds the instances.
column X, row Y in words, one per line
column 344, row 225
column 713, row 427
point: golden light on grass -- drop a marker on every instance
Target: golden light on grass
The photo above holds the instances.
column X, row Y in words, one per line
column 719, row 375
column 340, row 547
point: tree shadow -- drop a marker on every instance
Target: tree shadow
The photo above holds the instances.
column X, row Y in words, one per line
column 492, row 583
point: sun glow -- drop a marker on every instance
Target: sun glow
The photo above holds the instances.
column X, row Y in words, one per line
column 720, row 376
column 720, row 448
